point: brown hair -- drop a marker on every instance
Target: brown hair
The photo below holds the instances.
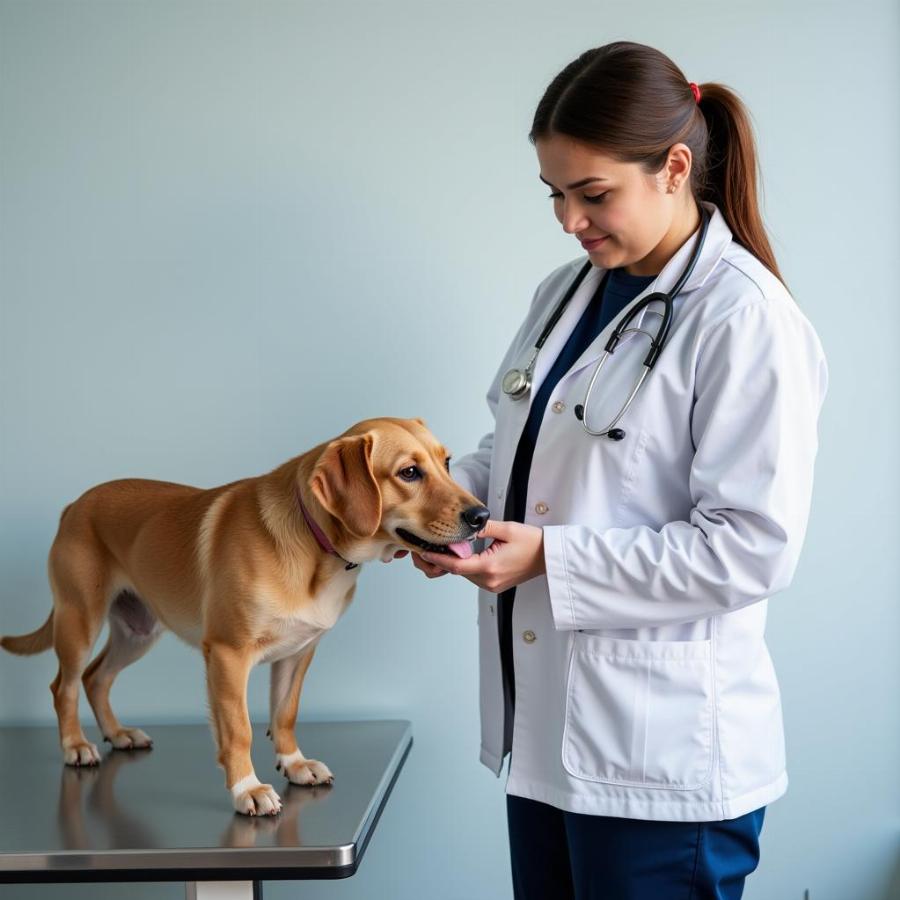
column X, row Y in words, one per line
column 633, row 103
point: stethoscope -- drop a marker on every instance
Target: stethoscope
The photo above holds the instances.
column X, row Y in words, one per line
column 517, row 383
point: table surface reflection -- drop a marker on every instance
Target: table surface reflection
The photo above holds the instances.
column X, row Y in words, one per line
column 164, row 813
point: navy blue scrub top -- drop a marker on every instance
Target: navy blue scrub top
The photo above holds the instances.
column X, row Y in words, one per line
column 616, row 290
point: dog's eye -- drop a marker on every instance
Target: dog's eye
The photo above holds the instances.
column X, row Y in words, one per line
column 411, row 473
column 447, row 463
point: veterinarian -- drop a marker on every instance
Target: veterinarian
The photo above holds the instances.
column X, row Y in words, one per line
column 623, row 593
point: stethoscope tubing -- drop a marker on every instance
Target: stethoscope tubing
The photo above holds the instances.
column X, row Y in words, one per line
column 517, row 383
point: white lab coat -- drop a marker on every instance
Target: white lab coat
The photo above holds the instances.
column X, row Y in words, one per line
column 644, row 687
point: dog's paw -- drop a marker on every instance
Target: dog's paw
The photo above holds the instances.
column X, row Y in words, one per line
column 304, row 771
column 81, row 753
column 254, row 799
column 130, row 739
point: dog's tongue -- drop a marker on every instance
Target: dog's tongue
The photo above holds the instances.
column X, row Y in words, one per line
column 463, row 549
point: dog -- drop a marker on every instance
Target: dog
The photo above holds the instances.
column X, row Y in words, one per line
column 253, row 571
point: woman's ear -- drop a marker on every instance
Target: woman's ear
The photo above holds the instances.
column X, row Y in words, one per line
column 344, row 482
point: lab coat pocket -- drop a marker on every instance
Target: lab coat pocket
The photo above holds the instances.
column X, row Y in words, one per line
column 639, row 712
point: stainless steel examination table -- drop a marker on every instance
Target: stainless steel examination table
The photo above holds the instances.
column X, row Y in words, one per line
column 164, row 814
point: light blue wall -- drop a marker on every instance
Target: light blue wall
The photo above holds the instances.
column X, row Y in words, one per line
column 229, row 230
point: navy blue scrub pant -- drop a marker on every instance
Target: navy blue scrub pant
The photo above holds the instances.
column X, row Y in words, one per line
column 560, row 855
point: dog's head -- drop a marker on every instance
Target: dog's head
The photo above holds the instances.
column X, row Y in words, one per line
column 387, row 483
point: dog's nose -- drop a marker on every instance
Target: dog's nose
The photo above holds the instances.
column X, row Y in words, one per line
column 476, row 516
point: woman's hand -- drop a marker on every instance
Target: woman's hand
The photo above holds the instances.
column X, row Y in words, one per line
column 430, row 570
column 515, row 555
column 426, row 567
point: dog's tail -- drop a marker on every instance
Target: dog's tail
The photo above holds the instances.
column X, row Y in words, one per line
column 28, row 644
column 40, row 640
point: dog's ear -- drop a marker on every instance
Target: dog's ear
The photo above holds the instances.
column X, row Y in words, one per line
column 344, row 483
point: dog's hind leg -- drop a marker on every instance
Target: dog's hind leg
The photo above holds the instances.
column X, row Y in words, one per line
column 133, row 630
column 284, row 702
column 77, row 622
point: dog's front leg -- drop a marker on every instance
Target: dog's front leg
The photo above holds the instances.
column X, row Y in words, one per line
column 227, row 671
column 284, row 700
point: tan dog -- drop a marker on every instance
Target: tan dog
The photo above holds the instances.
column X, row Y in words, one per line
column 253, row 571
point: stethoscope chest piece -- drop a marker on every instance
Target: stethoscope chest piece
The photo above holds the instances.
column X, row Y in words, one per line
column 516, row 383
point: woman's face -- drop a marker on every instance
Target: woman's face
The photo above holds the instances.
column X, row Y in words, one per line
column 594, row 196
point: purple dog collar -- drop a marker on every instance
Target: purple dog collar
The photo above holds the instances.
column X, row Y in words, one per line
column 324, row 543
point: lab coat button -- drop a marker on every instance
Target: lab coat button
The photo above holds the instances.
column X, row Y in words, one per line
column 541, row 508
column 529, row 637
column 558, row 407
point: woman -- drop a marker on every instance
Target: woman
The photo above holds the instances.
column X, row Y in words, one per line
column 630, row 679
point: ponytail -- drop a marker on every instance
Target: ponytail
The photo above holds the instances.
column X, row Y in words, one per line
column 632, row 102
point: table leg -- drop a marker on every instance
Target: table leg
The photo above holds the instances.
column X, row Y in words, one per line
column 223, row 890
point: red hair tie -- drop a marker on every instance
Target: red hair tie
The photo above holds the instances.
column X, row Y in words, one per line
column 696, row 91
